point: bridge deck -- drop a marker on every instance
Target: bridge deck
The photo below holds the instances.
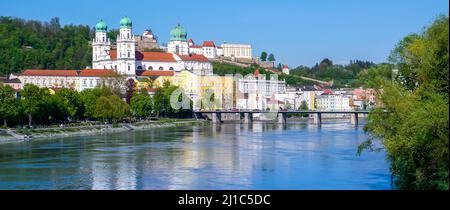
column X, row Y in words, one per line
column 282, row 112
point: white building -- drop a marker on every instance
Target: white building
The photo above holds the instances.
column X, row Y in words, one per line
column 256, row 91
column 73, row 79
column 178, row 41
column 237, row 51
column 286, row 70
column 333, row 102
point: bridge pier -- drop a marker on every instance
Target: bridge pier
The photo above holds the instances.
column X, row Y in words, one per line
column 216, row 118
column 282, row 118
column 248, row 118
column 318, row 119
column 354, row 119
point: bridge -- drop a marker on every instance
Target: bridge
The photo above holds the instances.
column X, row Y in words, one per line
column 281, row 116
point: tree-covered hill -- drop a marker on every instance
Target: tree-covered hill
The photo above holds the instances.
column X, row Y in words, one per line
column 43, row 45
column 342, row 75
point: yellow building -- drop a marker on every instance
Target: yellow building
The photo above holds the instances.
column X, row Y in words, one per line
column 201, row 88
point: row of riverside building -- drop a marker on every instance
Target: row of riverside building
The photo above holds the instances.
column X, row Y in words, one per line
column 189, row 66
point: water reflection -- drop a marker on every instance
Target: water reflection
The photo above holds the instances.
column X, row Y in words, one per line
column 229, row 156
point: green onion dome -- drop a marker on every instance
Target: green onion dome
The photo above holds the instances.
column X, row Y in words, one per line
column 101, row 26
column 178, row 34
column 126, row 22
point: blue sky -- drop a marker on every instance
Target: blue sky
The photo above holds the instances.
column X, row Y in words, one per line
column 298, row 32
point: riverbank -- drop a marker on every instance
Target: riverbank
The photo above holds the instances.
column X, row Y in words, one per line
column 18, row 135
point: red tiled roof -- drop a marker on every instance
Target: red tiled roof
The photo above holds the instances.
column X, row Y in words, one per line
column 97, row 73
column 285, row 67
column 151, row 90
column 70, row 73
column 327, row 91
column 154, row 73
column 209, row 44
column 155, row 56
column 194, row 57
column 46, row 72
column 196, row 46
column 191, row 41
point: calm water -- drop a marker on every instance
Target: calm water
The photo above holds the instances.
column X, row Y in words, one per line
column 230, row 156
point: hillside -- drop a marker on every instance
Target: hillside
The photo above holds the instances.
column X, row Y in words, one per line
column 222, row 69
column 43, row 45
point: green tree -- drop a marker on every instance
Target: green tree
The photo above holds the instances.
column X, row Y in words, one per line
column 159, row 102
column 111, row 108
column 89, row 99
column 264, row 56
column 414, row 130
column 71, row 100
column 51, row 110
column 162, row 104
column 141, row 105
column 103, row 109
column 8, row 103
column 304, row 107
column 271, row 58
column 32, row 96
column 370, row 78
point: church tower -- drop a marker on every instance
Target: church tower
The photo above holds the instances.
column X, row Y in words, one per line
column 126, row 48
column 100, row 46
column 178, row 41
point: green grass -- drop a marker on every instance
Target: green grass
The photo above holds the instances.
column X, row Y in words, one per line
column 4, row 135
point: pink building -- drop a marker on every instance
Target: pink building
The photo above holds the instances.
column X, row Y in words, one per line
column 361, row 94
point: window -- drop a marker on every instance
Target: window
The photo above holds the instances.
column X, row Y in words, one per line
column 171, row 68
column 139, row 67
column 129, row 54
column 103, row 39
column 161, row 68
column 115, row 67
column 129, row 68
column 150, row 68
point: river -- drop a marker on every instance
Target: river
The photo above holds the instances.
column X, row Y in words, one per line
column 228, row 156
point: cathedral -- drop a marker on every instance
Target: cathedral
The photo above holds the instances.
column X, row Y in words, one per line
column 127, row 60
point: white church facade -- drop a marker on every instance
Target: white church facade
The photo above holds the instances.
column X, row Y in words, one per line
column 126, row 59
